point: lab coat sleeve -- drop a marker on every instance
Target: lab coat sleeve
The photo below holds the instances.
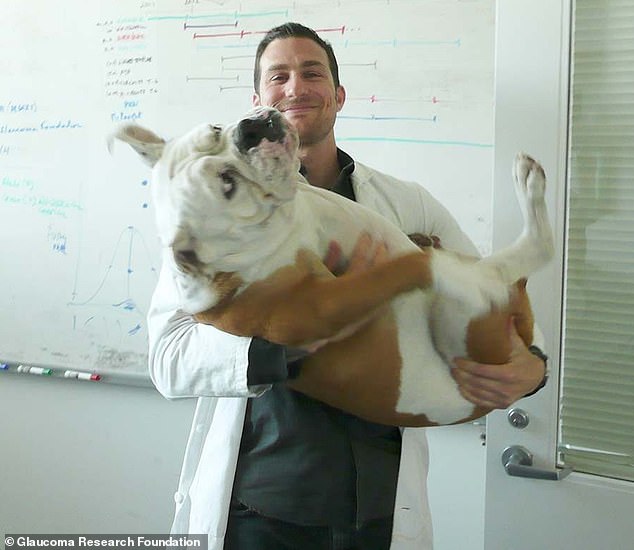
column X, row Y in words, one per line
column 432, row 218
column 190, row 359
column 411, row 207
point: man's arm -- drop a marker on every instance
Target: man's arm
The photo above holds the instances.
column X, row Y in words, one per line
column 189, row 359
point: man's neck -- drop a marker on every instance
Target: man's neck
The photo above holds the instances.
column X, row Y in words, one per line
column 321, row 167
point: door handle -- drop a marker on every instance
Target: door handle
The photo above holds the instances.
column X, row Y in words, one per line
column 518, row 462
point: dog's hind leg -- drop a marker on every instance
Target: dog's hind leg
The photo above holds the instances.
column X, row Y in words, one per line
column 534, row 247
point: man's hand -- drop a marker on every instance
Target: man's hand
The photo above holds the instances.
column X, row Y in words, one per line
column 499, row 386
column 367, row 252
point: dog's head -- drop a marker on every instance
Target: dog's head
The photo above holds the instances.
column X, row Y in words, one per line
column 215, row 186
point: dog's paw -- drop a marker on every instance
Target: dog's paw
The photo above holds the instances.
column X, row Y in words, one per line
column 478, row 287
column 529, row 176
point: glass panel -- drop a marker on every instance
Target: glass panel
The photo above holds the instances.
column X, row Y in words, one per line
column 597, row 407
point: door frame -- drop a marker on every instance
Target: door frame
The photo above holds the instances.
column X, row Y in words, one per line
column 531, row 115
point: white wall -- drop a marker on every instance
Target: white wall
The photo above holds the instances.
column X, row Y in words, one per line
column 80, row 457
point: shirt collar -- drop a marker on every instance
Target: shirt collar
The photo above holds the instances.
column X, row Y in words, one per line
column 343, row 183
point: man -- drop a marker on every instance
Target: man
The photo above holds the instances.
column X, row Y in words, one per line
column 280, row 470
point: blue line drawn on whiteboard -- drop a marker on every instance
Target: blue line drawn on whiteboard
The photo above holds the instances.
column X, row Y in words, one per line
column 234, row 15
column 456, row 143
column 396, row 43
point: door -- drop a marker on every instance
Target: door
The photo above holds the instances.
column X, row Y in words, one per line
column 579, row 511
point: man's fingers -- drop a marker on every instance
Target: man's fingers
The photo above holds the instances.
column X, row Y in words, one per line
column 485, row 385
column 380, row 253
column 483, row 400
column 334, row 257
column 360, row 253
column 366, row 253
column 482, row 370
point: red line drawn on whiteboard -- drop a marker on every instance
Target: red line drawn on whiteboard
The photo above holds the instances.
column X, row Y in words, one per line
column 375, row 99
column 383, row 118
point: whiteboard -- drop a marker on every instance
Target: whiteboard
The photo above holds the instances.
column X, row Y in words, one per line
column 80, row 256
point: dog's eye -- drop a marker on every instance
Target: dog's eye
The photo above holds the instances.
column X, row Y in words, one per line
column 229, row 184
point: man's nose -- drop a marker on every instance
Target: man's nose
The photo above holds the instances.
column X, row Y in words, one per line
column 251, row 131
column 295, row 86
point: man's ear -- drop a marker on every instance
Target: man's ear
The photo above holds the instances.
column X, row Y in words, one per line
column 146, row 143
column 255, row 100
column 341, row 97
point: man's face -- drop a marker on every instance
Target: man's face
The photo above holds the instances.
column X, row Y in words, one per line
column 296, row 80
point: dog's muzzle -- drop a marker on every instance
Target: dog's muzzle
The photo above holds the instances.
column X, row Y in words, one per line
column 264, row 125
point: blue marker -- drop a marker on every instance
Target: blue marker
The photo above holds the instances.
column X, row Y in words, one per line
column 4, row 366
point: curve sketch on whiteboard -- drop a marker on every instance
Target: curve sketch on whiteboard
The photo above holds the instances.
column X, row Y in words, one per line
column 126, row 301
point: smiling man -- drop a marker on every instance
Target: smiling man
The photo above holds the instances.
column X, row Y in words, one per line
column 268, row 468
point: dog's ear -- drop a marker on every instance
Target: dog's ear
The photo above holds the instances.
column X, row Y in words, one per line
column 145, row 142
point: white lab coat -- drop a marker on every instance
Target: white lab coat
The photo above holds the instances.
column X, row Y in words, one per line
column 188, row 359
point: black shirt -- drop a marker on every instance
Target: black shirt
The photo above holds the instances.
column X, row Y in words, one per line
column 305, row 462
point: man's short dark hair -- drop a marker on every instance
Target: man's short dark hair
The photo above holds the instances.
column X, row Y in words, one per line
column 294, row 30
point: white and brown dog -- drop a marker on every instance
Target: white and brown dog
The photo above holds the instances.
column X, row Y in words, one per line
column 247, row 235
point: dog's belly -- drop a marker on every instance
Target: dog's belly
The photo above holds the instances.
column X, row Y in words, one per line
column 421, row 376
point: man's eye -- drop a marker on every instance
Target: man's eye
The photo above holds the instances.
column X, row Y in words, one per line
column 278, row 78
column 229, row 183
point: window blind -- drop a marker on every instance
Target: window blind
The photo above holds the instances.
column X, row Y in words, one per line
column 597, row 400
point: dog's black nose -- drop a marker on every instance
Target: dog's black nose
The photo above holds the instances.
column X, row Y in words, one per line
column 251, row 131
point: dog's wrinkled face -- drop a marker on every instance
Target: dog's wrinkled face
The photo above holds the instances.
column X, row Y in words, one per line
column 215, row 186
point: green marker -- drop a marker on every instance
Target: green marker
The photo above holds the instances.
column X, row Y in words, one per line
column 34, row 370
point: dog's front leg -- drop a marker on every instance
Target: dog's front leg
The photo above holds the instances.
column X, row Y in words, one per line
column 302, row 304
column 246, row 313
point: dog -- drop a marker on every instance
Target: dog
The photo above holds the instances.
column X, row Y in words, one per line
column 248, row 235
